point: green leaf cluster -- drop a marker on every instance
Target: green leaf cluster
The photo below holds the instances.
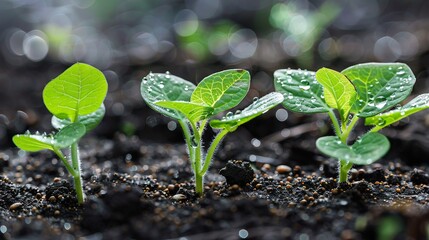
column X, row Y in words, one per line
column 195, row 106
column 75, row 99
column 364, row 91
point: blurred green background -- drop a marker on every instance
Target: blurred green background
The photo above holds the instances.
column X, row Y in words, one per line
column 193, row 38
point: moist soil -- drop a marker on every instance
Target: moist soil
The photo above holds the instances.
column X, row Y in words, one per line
column 279, row 189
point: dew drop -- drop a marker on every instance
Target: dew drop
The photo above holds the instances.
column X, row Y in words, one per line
column 402, row 113
column 194, row 143
column 304, row 87
column 229, row 115
column 237, row 112
column 290, row 96
column 255, row 99
column 381, row 122
column 400, row 73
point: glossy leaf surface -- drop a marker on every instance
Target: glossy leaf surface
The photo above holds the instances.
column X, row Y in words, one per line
column 157, row 87
column 302, row 93
column 366, row 150
column 379, row 86
column 258, row 107
column 382, row 120
column 79, row 90
column 192, row 111
column 339, row 92
column 222, row 90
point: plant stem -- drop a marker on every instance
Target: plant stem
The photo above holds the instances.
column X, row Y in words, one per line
column 197, row 159
column 65, row 162
column 212, row 150
column 334, row 120
column 199, row 184
column 74, row 151
column 345, row 135
column 344, row 170
column 191, row 150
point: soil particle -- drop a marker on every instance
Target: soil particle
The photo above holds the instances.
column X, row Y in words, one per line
column 283, row 169
column 237, row 172
column 376, row 175
column 419, row 177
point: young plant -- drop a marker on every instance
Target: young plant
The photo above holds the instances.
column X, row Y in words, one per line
column 194, row 106
column 364, row 91
column 75, row 98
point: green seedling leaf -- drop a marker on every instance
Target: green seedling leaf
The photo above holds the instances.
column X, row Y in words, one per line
column 34, row 142
column 258, row 107
column 379, row 86
column 90, row 120
column 382, row 120
column 339, row 92
column 366, row 150
column 37, row 142
column 222, row 90
column 302, row 93
column 69, row 135
column 79, row 90
column 157, row 87
column 192, row 111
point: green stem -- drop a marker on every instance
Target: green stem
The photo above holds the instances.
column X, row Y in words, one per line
column 199, row 184
column 65, row 162
column 191, row 150
column 344, row 170
column 74, row 151
column 197, row 160
column 212, row 150
column 334, row 120
column 202, row 126
column 376, row 129
column 345, row 135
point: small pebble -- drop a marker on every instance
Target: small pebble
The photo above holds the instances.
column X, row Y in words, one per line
column 52, row 199
column 57, row 179
column 266, row 167
column 179, row 197
column 15, row 206
column 283, row 169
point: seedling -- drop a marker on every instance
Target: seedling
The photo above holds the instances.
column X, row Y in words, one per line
column 75, row 98
column 364, row 91
column 194, row 106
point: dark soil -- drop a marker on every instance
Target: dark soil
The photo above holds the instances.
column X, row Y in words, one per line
column 286, row 190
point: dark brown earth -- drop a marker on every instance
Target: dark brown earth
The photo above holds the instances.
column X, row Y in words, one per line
column 138, row 189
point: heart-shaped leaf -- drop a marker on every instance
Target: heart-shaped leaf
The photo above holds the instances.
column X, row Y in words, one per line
column 379, row 86
column 302, row 93
column 366, row 150
column 382, row 120
column 90, row 120
column 69, row 135
column 339, row 92
column 157, row 87
column 222, row 90
column 192, row 111
column 258, row 107
column 79, row 90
